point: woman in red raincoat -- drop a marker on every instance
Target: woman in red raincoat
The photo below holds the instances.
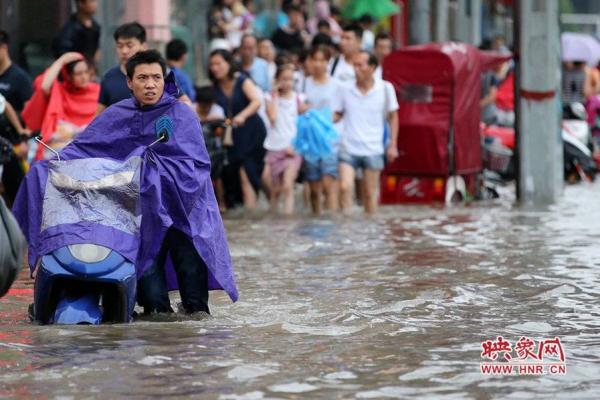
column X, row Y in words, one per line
column 64, row 101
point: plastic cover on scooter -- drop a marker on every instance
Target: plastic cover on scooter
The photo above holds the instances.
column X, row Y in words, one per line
column 94, row 190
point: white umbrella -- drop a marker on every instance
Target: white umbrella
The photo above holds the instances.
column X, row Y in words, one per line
column 580, row 47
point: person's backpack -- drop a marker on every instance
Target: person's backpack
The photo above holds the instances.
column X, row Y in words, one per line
column 12, row 245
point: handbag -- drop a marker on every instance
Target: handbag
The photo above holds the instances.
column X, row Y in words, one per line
column 228, row 134
column 12, row 246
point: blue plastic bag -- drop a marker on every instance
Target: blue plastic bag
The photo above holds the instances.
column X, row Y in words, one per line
column 316, row 136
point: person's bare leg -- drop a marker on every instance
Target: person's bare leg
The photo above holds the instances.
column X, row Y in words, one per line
column 331, row 189
column 371, row 182
column 220, row 194
column 274, row 197
column 267, row 181
column 306, row 194
column 359, row 191
column 289, row 180
column 247, row 191
column 346, row 185
column 315, row 197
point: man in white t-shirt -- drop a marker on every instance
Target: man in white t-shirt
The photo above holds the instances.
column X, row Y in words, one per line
column 341, row 66
column 383, row 48
column 365, row 107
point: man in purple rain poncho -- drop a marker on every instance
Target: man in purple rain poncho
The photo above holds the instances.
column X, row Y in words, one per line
column 179, row 212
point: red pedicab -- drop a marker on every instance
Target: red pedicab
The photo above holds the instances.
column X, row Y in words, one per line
column 439, row 139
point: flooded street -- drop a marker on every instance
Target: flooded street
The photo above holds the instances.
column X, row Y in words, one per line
column 396, row 306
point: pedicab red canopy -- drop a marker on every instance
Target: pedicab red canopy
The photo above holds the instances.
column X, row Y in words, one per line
column 438, row 87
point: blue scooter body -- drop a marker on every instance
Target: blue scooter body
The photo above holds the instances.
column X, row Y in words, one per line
column 70, row 291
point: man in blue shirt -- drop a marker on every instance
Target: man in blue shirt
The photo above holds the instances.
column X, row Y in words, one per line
column 177, row 55
column 256, row 68
column 15, row 86
column 129, row 38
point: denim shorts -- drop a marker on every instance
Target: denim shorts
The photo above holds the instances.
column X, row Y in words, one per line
column 362, row 162
column 314, row 171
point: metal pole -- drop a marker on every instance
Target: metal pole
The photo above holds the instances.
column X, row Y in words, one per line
column 420, row 16
column 539, row 145
column 441, row 21
column 461, row 32
column 475, row 22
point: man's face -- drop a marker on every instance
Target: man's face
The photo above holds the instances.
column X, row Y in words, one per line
column 349, row 43
column 89, row 7
column 3, row 53
column 147, row 84
column 127, row 47
column 296, row 20
column 248, row 49
column 362, row 69
column 383, row 48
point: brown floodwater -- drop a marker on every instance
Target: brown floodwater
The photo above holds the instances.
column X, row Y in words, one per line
column 394, row 306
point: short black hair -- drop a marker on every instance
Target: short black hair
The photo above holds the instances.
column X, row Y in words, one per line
column 486, row 44
column 320, row 49
column 383, row 35
column 283, row 57
column 4, row 37
column 292, row 8
column 302, row 54
column 365, row 19
column 372, row 61
column 131, row 30
column 78, row 1
column 145, row 57
column 176, row 49
column 322, row 39
column 323, row 23
column 205, row 95
column 354, row 27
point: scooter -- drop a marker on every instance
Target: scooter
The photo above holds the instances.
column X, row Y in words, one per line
column 579, row 164
column 88, row 283
column 575, row 123
column 214, row 132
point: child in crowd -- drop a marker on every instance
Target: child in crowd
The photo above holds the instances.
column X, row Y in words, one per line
column 207, row 108
column 321, row 90
column 211, row 114
column 282, row 164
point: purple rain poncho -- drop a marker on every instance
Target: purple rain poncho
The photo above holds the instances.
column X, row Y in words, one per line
column 175, row 190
